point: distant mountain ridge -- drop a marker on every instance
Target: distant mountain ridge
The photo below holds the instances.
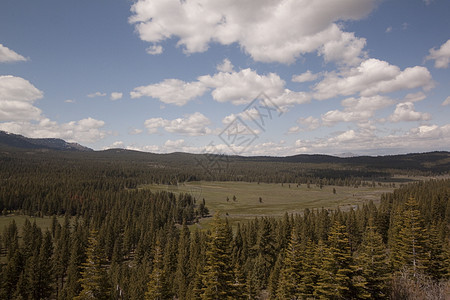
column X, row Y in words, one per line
column 436, row 161
column 20, row 141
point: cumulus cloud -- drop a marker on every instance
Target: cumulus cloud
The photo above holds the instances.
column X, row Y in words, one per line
column 116, row 144
column 404, row 112
column 176, row 144
column 7, row 55
column 17, row 96
column 370, row 78
column 236, row 87
column 83, row 131
column 414, row 97
column 192, row 124
column 356, row 109
column 243, row 86
column 345, row 50
column 96, row 94
column 154, row 49
column 135, row 131
column 440, row 56
column 20, row 116
column 446, row 101
column 116, row 96
column 267, row 30
column 305, row 77
column 310, row 123
column 171, row 91
column 225, row 66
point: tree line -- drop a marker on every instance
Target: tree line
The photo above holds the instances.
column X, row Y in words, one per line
column 135, row 244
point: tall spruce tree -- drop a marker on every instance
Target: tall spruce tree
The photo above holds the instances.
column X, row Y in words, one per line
column 94, row 277
column 156, row 287
column 411, row 240
column 373, row 264
column 218, row 277
column 336, row 277
column 290, row 277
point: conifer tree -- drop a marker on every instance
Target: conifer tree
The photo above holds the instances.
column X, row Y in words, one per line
column 336, row 277
column 373, row 264
column 94, row 281
column 411, row 243
column 77, row 256
column 290, row 277
column 40, row 270
column 156, row 285
column 307, row 273
column 274, row 277
column 12, row 273
column 218, row 277
column 182, row 274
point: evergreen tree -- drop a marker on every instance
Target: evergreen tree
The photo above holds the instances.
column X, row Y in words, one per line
column 373, row 264
column 40, row 277
column 94, row 282
column 218, row 277
column 156, row 286
column 290, row 277
column 411, row 240
column 336, row 277
column 77, row 257
column 182, row 274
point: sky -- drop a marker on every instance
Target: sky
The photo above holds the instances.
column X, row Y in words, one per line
column 253, row 77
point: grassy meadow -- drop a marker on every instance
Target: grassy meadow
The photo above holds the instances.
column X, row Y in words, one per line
column 276, row 199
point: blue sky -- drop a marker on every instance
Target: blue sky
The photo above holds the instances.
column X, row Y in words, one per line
column 361, row 76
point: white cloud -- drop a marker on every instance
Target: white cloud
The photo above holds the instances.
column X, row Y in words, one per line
column 370, row 78
column 243, row 86
column 267, row 30
column 305, row 77
column 96, row 94
column 440, row 56
column 83, row 131
column 154, row 49
column 116, row 96
column 225, row 66
column 177, row 144
column 446, row 101
column 192, row 124
column 116, row 144
column 17, row 96
column 69, row 101
column 414, row 97
column 404, row 112
column 135, row 131
column 171, row 91
column 236, row 87
column 356, row 110
column 310, row 123
column 389, row 29
column 346, row 50
column 295, row 129
column 7, row 55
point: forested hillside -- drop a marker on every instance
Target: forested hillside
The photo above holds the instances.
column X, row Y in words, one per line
column 118, row 241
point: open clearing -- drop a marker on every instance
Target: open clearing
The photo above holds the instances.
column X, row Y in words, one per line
column 276, row 198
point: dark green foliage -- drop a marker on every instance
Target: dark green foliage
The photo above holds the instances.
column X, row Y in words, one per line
column 218, row 278
column 144, row 248
column 94, row 277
